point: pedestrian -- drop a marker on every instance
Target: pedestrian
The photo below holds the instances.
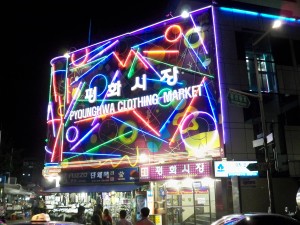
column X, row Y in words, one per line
column 145, row 219
column 42, row 206
column 95, row 219
column 107, row 220
column 79, row 217
column 99, row 210
column 123, row 220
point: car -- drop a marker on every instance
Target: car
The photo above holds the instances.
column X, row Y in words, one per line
column 257, row 218
column 43, row 219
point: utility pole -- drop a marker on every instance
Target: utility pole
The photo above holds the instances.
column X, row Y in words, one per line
column 276, row 24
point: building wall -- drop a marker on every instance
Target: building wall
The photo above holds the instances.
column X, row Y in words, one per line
column 284, row 189
column 239, row 132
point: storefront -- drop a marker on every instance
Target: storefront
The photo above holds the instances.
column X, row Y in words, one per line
column 16, row 201
column 115, row 189
column 181, row 192
column 175, row 193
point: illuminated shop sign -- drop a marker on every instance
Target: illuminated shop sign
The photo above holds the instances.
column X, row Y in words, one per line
column 174, row 171
column 233, row 168
column 100, row 176
column 152, row 92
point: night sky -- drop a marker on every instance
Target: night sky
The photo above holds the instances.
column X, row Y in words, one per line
column 35, row 32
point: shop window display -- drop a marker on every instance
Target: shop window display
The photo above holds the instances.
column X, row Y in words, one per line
column 62, row 206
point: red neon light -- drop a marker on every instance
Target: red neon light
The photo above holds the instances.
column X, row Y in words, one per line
column 84, row 60
column 54, row 83
column 172, row 29
column 146, row 123
column 53, row 120
column 125, row 64
column 55, row 144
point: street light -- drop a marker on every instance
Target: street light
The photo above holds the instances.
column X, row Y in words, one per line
column 276, row 25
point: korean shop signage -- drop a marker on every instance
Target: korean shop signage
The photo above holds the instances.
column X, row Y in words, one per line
column 173, row 171
column 100, row 176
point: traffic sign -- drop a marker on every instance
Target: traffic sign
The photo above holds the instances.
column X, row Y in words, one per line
column 238, row 99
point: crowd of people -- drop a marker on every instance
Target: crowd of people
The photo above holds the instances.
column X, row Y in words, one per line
column 102, row 217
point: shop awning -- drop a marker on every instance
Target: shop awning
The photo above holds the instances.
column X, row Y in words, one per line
column 15, row 189
column 94, row 188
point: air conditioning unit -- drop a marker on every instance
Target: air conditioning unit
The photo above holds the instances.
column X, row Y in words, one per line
column 12, row 180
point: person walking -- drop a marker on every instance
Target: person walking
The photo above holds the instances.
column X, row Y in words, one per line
column 97, row 218
column 107, row 220
column 123, row 220
column 79, row 217
column 145, row 211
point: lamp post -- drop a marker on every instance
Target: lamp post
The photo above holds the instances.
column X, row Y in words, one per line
column 276, row 24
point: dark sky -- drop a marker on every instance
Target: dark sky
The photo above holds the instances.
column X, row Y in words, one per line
column 35, row 32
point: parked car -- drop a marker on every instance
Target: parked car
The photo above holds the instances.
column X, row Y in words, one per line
column 256, row 219
column 43, row 219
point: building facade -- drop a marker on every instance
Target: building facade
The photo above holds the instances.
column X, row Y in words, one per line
column 160, row 107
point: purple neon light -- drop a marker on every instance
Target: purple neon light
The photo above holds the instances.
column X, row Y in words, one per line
column 68, row 135
column 84, row 137
column 50, row 108
column 218, row 69
column 195, row 26
column 142, row 29
column 104, row 50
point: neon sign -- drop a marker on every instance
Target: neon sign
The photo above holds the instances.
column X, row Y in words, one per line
column 153, row 92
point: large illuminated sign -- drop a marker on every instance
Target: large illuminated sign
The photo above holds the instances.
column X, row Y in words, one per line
column 234, row 168
column 151, row 95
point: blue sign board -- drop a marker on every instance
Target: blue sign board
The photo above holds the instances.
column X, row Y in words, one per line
column 100, row 176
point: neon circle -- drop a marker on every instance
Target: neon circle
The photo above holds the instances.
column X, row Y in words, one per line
column 175, row 29
column 76, row 132
column 60, row 110
column 191, row 32
column 189, row 118
column 134, row 134
column 84, row 60
column 161, row 93
column 94, row 78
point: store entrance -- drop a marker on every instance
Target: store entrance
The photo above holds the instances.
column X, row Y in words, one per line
column 188, row 205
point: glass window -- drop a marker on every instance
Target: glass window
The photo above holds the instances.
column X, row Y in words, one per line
column 266, row 70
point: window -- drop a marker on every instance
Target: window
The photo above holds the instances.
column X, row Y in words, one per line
column 266, row 70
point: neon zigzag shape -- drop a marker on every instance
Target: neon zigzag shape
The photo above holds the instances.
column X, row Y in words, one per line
column 114, row 165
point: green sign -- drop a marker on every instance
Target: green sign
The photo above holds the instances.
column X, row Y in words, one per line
column 238, row 99
column 260, row 167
